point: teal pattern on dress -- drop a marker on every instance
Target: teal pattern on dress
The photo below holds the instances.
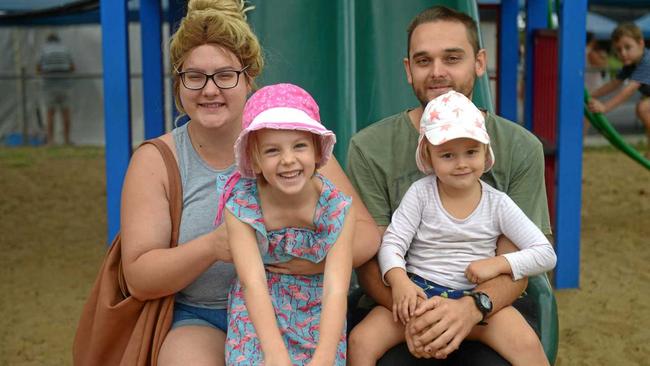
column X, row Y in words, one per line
column 296, row 299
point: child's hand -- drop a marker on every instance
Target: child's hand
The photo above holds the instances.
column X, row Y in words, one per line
column 278, row 359
column 319, row 362
column 485, row 269
column 405, row 300
column 595, row 106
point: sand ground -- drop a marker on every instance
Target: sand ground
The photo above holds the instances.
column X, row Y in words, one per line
column 53, row 236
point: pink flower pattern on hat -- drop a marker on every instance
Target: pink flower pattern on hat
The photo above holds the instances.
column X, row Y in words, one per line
column 281, row 107
column 279, row 95
column 451, row 116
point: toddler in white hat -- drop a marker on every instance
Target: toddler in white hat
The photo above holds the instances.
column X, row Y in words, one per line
column 441, row 241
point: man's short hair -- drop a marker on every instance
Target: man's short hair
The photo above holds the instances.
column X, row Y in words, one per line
column 442, row 13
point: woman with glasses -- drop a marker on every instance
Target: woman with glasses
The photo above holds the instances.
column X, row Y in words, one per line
column 216, row 58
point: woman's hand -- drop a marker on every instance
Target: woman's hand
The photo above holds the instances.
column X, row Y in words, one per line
column 221, row 246
column 297, row 266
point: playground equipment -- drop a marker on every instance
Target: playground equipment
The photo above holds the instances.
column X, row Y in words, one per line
column 354, row 72
column 602, row 125
column 353, row 68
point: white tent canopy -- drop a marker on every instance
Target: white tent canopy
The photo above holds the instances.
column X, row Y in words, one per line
column 22, row 106
column 601, row 26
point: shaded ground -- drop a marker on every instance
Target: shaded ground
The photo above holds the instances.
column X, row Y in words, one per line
column 53, row 232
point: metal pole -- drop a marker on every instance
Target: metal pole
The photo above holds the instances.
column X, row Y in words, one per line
column 117, row 103
column 152, row 68
column 508, row 60
column 569, row 142
column 536, row 18
column 23, row 107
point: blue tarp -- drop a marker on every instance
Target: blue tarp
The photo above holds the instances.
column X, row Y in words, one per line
column 30, row 5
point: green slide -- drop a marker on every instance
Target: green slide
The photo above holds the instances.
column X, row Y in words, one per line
column 600, row 123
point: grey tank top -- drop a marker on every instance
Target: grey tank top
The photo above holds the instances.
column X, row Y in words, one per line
column 201, row 187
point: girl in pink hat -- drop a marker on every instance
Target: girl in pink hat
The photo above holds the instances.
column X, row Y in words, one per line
column 278, row 207
column 448, row 223
column 215, row 59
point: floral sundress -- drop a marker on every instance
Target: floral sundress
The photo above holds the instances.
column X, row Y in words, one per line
column 296, row 299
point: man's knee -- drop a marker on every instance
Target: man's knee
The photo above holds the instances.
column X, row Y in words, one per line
column 526, row 342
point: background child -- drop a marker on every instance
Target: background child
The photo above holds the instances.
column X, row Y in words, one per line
column 628, row 44
column 278, row 206
column 596, row 65
column 449, row 222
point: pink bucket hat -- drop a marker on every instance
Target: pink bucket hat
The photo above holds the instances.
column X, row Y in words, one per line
column 281, row 107
column 447, row 117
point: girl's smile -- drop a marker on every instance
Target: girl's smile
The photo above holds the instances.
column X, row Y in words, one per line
column 286, row 159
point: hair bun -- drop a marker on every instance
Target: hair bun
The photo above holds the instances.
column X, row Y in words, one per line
column 226, row 7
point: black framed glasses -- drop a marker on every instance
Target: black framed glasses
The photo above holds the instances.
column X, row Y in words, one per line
column 196, row 80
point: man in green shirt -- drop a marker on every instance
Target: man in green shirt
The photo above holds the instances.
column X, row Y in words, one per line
column 443, row 54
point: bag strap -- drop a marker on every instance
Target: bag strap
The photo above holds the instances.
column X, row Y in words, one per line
column 175, row 186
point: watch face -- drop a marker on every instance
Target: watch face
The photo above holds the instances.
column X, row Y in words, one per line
column 485, row 302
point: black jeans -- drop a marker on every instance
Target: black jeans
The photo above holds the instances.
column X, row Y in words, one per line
column 469, row 352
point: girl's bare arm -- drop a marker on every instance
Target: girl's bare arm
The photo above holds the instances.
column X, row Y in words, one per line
column 338, row 268
column 250, row 270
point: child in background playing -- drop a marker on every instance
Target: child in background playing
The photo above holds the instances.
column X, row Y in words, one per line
column 448, row 224
column 277, row 207
column 628, row 44
column 595, row 69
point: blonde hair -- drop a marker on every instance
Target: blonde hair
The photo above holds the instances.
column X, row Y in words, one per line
column 425, row 156
column 627, row 29
column 220, row 22
column 254, row 154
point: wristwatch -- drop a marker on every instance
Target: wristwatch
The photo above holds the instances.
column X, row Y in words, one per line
column 483, row 303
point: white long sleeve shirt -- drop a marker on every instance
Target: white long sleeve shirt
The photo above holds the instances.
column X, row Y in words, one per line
column 424, row 239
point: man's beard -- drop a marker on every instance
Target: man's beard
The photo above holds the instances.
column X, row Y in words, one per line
column 424, row 99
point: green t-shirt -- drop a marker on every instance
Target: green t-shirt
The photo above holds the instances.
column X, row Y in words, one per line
column 381, row 166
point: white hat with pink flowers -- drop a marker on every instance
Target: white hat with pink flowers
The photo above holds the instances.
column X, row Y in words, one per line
column 451, row 116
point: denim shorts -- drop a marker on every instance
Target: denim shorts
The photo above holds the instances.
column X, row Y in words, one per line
column 433, row 289
column 192, row 315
